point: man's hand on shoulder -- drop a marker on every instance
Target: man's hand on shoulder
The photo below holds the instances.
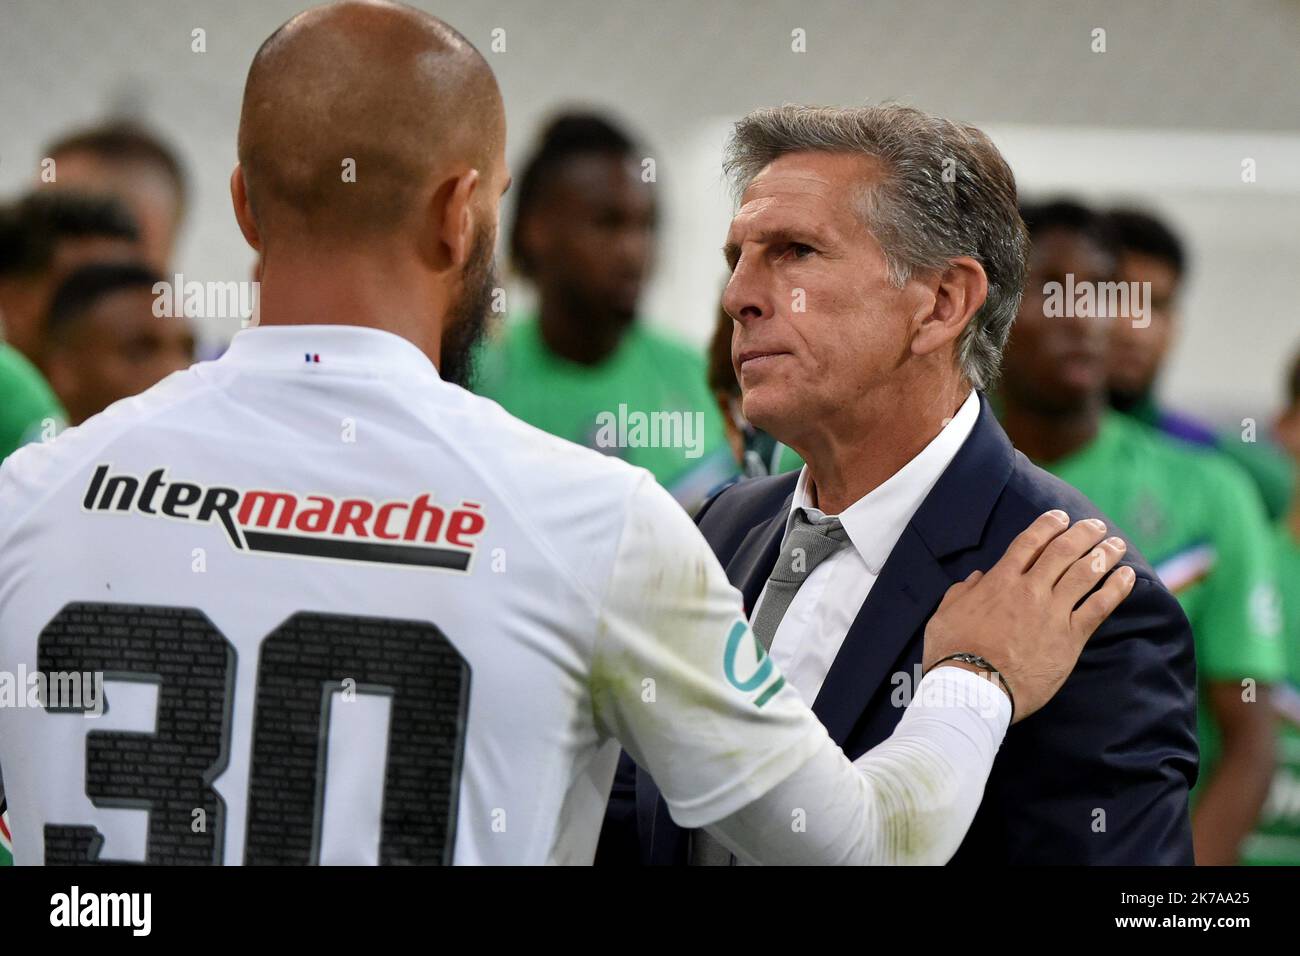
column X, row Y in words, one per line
column 1021, row 616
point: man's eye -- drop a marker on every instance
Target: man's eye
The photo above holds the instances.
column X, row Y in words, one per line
column 801, row 250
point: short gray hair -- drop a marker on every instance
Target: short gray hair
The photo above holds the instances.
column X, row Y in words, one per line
column 947, row 192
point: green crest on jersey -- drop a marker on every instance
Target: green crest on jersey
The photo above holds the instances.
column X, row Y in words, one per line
column 764, row 669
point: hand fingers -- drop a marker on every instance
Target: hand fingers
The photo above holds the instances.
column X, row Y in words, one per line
column 960, row 588
column 1030, row 543
column 1084, row 573
column 1065, row 549
column 1098, row 607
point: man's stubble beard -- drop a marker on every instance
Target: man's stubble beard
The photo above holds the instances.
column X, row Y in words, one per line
column 467, row 321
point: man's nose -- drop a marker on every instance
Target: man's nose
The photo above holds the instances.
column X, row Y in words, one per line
column 745, row 298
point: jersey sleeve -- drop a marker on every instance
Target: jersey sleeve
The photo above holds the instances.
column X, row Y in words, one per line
column 1238, row 632
column 679, row 678
column 907, row 801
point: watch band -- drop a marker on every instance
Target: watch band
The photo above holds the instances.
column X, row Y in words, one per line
column 983, row 664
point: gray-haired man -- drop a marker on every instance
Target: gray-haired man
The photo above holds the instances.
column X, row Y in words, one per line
column 877, row 258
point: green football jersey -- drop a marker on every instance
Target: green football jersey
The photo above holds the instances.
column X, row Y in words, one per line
column 1200, row 524
column 648, row 403
column 1276, row 839
column 1261, row 461
column 26, row 402
column 1267, row 467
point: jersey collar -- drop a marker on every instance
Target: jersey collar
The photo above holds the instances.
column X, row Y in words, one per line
column 321, row 349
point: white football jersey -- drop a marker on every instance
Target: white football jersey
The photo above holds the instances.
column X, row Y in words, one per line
column 311, row 604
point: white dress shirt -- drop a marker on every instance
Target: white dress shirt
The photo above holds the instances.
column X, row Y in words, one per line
column 818, row 619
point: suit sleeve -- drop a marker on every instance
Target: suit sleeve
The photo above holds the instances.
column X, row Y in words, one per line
column 1100, row 776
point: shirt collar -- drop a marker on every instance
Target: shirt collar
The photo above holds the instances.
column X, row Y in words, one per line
column 876, row 521
column 321, row 349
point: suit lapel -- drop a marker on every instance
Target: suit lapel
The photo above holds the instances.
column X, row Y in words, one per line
column 753, row 561
column 915, row 577
column 909, row 588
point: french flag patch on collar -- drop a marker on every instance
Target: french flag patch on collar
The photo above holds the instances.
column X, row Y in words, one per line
column 311, row 357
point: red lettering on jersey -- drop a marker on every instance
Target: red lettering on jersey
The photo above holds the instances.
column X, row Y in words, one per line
column 448, row 533
column 353, row 513
column 381, row 520
column 464, row 522
column 271, row 502
column 316, row 520
column 421, row 509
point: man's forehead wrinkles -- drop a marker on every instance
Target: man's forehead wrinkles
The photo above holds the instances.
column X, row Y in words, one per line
column 807, row 178
column 784, row 185
column 768, row 217
column 741, row 222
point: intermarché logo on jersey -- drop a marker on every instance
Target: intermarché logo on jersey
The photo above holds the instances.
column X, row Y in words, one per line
column 411, row 532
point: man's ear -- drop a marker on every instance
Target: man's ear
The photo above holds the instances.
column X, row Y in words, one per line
column 244, row 211
column 959, row 292
column 449, row 238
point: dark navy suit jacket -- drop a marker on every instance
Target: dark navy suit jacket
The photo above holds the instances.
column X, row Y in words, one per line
column 1100, row 775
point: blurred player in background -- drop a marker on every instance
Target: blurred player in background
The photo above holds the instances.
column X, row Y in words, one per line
column 44, row 237
column 28, row 407
column 583, row 234
column 134, row 166
column 1195, row 517
column 243, row 544
column 1150, row 251
column 103, row 341
column 1277, row 838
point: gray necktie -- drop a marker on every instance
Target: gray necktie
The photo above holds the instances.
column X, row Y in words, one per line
column 806, row 546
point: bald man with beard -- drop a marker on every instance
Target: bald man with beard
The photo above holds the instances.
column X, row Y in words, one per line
column 380, row 620
column 393, row 177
